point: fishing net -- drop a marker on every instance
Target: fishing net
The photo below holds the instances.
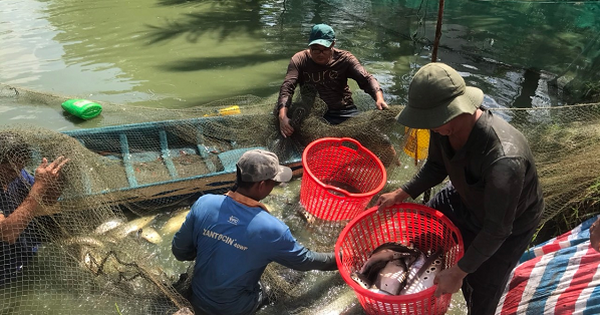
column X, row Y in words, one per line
column 98, row 244
column 564, row 141
column 105, row 244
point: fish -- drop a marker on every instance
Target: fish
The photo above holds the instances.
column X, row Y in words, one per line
column 149, row 234
column 362, row 280
column 385, row 253
column 375, row 263
column 184, row 311
column 174, row 223
column 83, row 248
column 376, row 290
column 423, row 273
column 392, row 278
column 399, row 247
column 83, row 241
column 108, row 225
column 370, row 276
column 123, row 230
column 415, row 267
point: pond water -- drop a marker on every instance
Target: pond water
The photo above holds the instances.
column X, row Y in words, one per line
column 184, row 53
column 177, row 54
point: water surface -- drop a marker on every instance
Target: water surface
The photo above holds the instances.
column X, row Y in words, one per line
column 177, row 54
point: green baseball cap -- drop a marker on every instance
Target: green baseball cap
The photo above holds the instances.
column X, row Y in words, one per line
column 436, row 95
column 321, row 34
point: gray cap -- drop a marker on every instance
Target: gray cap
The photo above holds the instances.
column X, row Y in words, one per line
column 258, row 165
column 437, row 94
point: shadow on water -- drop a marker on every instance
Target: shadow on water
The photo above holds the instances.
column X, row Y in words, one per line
column 277, row 26
column 266, row 90
column 194, row 64
column 529, row 86
column 188, row 2
column 225, row 19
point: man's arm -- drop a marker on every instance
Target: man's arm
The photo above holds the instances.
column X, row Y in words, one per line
column 288, row 252
column 449, row 280
column 595, row 235
column 183, row 245
column 379, row 101
column 503, row 188
column 366, row 82
column 46, row 190
column 286, row 92
column 12, row 226
column 431, row 174
column 285, row 126
column 504, row 185
column 305, row 260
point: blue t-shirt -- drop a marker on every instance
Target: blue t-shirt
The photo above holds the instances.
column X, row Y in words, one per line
column 232, row 244
column 15, row 256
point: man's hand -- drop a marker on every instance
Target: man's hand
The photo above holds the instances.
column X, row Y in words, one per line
column 381, row 104
column 47, row 186
column 595, row 235
column 449, row 281
column 285, row 127
column 391, row 198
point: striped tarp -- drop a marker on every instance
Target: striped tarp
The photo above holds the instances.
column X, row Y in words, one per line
column 560, row 276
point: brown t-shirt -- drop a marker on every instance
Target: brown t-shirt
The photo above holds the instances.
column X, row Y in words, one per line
column 330, row 81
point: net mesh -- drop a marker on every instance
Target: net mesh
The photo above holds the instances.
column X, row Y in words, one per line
column 97, row 249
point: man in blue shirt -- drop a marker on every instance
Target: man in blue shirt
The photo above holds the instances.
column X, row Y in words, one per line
column 21, row 202
column 233, row 238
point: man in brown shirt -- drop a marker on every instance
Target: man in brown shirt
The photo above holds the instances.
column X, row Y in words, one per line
column 327, row 69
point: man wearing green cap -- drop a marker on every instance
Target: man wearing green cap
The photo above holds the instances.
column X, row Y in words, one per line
column 493, row 197
column 327, row 69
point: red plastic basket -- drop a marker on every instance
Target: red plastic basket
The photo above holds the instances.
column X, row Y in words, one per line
column 340, row 178
column 407, row 223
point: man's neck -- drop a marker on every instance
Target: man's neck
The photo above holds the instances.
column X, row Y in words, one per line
column 466, row 123
column 247, row 193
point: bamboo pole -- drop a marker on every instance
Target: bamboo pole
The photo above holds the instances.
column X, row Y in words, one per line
column 438, row 31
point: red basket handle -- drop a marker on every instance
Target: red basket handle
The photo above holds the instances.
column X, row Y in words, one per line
column 355, row 144
column 336, row 190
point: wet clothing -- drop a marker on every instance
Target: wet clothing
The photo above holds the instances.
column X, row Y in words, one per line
column 483, row 288
column 15, row 257
column 233, row 239
column 330, row 81
column 495, row 175
column 338, row 116
column 496, row 199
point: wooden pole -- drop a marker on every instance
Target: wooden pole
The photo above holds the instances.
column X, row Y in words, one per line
column 436, row 43
column 438, row 31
